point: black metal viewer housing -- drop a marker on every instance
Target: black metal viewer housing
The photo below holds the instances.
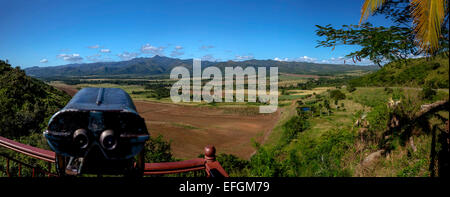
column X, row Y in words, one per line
column 98, row 131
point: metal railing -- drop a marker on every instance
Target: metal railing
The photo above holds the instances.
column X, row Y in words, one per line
column 209, row 163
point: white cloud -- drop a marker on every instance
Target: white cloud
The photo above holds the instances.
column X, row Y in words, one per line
column 177, row 51
column 44, row 60
column 305, row 59
column 105, row 50
column 94, row 46
column 297, row 59
column 70, row 57
column 149, row 49
column 206, row 47
column 281, row 59
column 244, row 57
column 127, row 56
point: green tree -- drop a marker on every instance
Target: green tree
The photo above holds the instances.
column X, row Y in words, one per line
column 337, row 95
column 378, row 44
column 326, row 104
column 293, row 126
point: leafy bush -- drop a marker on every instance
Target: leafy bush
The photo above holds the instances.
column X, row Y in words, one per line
column 321, row 156
column 158, row 150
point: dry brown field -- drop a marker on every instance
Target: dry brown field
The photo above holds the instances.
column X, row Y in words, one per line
column 190, row 128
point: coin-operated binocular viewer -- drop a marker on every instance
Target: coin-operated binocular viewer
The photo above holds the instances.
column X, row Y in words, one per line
column 98, row 132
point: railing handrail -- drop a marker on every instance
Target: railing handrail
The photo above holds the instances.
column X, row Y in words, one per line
column 174, row 167
column 31, row 151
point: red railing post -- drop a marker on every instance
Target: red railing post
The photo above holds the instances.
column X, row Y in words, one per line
column 210, row 156
column 20, row 169
column 7, row 167
column 211, row 163
column 210, row 153
column 49, row 168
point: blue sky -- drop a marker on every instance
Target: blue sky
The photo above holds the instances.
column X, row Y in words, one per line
column 48, row 33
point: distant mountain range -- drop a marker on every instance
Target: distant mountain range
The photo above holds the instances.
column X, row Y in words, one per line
column 159, row 65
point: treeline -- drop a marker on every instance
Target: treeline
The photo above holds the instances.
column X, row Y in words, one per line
column 321, row 82
column 111, row 81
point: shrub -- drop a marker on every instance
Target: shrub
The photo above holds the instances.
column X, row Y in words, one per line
column 233, row 164
column 264, row 163
column 293, row 126
column 378, row 119
column 427, row 93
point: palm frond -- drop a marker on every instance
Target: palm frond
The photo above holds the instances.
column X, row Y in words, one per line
column 369, row 7
column 428, row 17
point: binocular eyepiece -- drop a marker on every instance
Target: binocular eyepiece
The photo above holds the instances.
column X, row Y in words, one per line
column 107, row 139
column 81, row 139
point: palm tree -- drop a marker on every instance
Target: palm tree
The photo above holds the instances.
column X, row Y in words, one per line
column 428, row 16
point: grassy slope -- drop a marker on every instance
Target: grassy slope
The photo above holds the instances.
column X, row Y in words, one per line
column 413, row 73
column 25, row 103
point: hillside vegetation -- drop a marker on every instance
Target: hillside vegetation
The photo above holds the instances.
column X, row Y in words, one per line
column 26, row 104
column 410, row 73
